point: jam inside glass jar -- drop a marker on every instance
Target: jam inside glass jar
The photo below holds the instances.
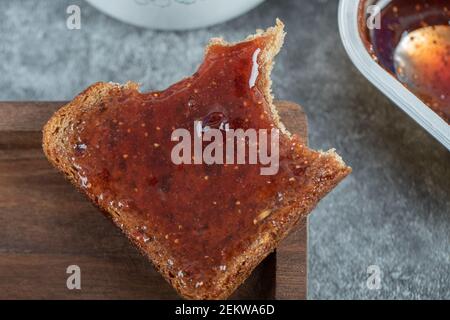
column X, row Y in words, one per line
column 412, row 42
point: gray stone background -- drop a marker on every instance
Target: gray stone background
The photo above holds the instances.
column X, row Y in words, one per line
column 393, row 211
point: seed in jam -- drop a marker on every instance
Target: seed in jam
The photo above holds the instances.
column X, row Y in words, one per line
column 413, row 44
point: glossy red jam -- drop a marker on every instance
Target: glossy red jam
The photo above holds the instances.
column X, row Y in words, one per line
column 413, row 44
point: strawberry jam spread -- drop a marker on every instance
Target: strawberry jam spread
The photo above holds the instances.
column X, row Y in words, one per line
column 200, row 215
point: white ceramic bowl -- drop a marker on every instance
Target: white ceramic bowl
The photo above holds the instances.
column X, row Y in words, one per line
column 174, row 14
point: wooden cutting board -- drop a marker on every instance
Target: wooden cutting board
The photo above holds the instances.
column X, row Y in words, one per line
column 46, row 226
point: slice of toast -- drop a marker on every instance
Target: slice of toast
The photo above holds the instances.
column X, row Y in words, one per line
column 204, row 227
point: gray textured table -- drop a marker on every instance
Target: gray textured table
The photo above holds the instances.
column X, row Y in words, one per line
column 393, row 211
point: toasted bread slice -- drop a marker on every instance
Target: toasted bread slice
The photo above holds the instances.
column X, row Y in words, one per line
column 204, row 227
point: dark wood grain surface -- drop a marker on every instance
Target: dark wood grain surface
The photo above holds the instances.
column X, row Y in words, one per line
column 46, row 225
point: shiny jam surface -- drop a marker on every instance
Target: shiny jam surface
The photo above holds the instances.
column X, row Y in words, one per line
column 413, row 44
column 201, row 214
